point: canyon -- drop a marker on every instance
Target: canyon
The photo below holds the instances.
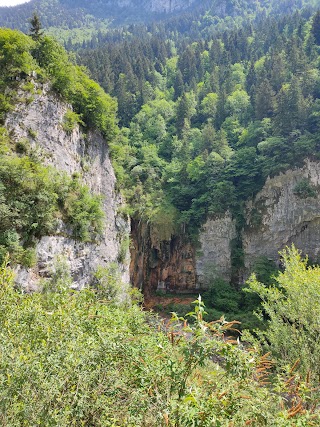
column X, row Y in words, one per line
column 275, row 218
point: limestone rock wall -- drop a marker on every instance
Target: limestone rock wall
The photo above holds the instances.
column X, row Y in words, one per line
column 161, row 266
column 40, row 122
column 275, row 218
column 155, row 6
column 278, row 217
column 214, row 258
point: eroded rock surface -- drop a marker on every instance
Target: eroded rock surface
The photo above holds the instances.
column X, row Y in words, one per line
column 278, row 216
column 40, row 122
column 214, row 257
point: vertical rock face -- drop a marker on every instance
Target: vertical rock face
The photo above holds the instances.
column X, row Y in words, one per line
column 214, row 258
column 156, row 6
column 75, row 153
column 285, row 211
column 162, row 266
column 281, row 215
column 168, row 6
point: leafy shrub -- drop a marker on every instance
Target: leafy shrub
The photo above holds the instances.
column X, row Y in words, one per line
column 107, row 282
column 70, row 120
column 292, row 306
column 32, row 197
column 303, row 189
column 123, row 249
column 222, row 296
column 69, row 359
column 80, row 209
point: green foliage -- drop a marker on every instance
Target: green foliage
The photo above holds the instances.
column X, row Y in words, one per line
column 70, row 358
column 208, row 121
column 32, row 197
column 265, row 270
column 292, row 307
column 80, row 208
column 35, row 27
column 304, row 189
column 96, row 108
column 70, row 121
column 15, row 58
column 20, row 55
column 60, row 280
column 107, row 282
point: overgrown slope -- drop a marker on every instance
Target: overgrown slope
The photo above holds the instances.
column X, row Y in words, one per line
column 36, row 198
column 70, row 359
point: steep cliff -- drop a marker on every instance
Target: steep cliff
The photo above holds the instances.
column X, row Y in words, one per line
column 156, row 6
column 40, row 122
column 285, row 211
column 161, row 266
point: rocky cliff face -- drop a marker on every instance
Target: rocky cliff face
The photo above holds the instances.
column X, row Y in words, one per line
column 214, row 257
column 161, row 266
column 285, row 211
column 156, row 6
column 40, row 122
column 278, row 216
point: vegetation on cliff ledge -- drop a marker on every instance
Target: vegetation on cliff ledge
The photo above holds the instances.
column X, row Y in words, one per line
column 34, row 197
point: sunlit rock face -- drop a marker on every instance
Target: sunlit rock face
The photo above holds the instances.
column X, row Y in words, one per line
column 213, row 259
column 157, row 6
column 277, row 217
column 280, row 216
column 74, row 153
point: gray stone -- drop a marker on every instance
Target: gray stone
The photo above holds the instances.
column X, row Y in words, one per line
column 285, row 218
column 87, row 156
column 214, row 258
column 275, row 218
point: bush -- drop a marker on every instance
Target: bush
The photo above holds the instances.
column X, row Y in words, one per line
column 292, row 306
column 304, row 189
column 222, row 296
column 70, row 121
column 32, row 197
column 69, row 359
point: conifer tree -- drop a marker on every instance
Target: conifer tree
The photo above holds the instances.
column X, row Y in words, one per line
column 35, row 27
column 316, row 27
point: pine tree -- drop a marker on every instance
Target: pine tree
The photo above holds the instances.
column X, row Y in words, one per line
column 315, row 30
column 264, row 100
column 35, row 27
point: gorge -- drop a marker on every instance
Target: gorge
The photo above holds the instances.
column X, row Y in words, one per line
column 275, row 218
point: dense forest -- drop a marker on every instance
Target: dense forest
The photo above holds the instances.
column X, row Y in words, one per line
column 77, row 21
column 205, row 121
column 204, row 124
column 198, row 111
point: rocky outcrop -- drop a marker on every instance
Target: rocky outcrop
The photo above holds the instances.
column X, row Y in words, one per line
column 161, row 266
column 214, row 258
column 154, row 6
column 285, row 211
column 280, row 215
column 40, row 122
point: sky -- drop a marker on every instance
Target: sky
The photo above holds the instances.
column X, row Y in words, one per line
column 12, row 2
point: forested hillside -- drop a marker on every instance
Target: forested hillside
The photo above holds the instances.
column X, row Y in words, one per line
column 75, row 21
column 200, row 111
column 205, row 123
